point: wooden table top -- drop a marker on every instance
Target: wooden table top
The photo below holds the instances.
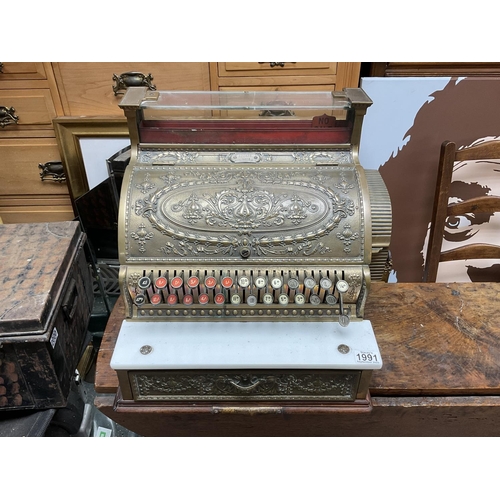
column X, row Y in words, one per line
column 436, row 339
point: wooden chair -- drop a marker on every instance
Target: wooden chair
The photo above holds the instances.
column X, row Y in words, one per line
column 489, row 150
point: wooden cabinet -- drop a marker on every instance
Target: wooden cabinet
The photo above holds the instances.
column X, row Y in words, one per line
column 30, row 89
column 284, row 75
column 87, row 88
column 433, row 69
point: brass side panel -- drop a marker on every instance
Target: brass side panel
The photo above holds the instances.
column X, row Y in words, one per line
column 245, row 385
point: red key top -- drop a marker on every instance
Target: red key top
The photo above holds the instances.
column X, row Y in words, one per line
column 176, row 282
column 227, row 282
column 193, row 282
column 187, row 300
column 155, row 299
column 203, row 299
column 210, row 282
column 172, row 299
column 161, row 282
column 219, row 299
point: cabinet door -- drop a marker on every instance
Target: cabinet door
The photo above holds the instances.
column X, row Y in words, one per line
column 87, row 88
column 22, row 71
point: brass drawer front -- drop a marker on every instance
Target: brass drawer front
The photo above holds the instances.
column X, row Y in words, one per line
column 248, row 385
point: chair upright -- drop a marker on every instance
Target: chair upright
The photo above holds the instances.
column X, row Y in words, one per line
column 443, row 209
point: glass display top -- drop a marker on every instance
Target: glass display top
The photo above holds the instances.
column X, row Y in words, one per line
column 246, row 100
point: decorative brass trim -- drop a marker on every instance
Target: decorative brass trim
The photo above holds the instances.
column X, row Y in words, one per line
column 8, row 116
column 227, row 385
column 69, row 130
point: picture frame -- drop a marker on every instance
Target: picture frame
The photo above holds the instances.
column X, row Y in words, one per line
column 71, row 132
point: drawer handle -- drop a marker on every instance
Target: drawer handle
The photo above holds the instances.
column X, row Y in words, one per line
column 1, row 67
column 70, row 301
column 131, row 79
column 276, row 64
column 52, row 170
column 8, row 116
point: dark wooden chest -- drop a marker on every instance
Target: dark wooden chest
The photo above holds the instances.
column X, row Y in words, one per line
column 46, row 300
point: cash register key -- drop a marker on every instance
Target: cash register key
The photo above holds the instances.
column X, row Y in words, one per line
column 276, row 283
column 309, row 282
column 293, row 283
column 243, row 281
column 235, row 299
column 144, row 283
column 187, row 300
column 342, row 286
column 331, row 299
column 267, row 299
column 283, row 299
column 139, row 300
column 161, row 282
column 155, row 299
column 252, row 300
column 299, row 299
column 203, row 299
column 315, row 300
column 210, row 282
column 219, row 298
column 172, row 299
column 177, row 282
column 325, row 283
column 193, row 282
column 260, row 282
column 227, row 282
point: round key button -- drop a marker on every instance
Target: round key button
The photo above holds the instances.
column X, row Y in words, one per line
column 187, row 300
column 326, row 283
column 299, row 299
column 252, row 300
column 342, row 286
column 219, row 299
column 309, row 282
column 244, row 281
column 177, row 282
column 139, row 300
column 227, row 282
column 267, row 299
column 155, row 299
column 315, row 300
column 172, row 299
column 260, row 282
column 235, row 299
column 161, row 282
column 193, row 282
column 203, row 298
column 276, row 283
column 293, row 283
column 210, row 282
column 283, row 299
column 144, row 283
column 331, row 299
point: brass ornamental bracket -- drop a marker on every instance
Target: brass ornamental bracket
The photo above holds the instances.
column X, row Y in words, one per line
column 52, row 170
column 131, row 79
column 8, row 116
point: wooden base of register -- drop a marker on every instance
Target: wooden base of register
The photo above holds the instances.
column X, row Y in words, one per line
column 440, row 345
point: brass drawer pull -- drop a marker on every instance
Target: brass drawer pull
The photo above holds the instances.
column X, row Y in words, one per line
column 8, row 116
column 131, row 79
column 52, row 170
column 276, row 64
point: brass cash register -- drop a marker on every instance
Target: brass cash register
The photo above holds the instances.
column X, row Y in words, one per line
column 248, row 236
